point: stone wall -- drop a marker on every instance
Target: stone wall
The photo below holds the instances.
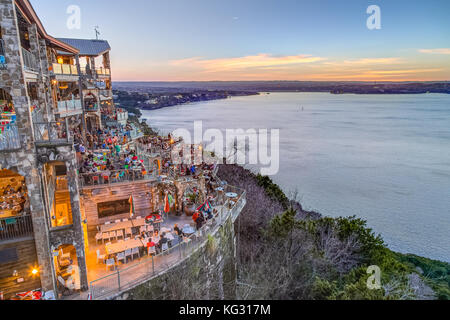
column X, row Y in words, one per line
column 208, row 274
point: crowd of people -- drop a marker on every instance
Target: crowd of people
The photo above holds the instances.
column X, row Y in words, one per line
column 13, row 198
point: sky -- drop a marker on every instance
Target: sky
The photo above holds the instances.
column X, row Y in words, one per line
column 232, row 40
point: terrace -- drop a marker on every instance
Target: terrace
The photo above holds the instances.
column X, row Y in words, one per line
column 127, row 259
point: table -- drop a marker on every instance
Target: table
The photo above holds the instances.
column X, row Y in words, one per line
column 166, row 230
column 124, row 245
column 232, row 195
column 122, row 225
column 188, row 230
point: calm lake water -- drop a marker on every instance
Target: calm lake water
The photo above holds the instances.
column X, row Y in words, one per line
column 384, row 158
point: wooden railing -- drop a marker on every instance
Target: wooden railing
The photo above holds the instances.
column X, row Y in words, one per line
column 16, row 227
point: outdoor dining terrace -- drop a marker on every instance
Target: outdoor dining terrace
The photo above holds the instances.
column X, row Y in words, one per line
column 119, row 258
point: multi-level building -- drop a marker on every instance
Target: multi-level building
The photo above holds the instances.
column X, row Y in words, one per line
column 55, row 94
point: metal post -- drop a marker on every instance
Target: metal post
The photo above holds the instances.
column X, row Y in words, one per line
column 153, row 264
column 118, row 278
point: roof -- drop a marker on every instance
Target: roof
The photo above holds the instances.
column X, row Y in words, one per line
column 27, row 11
column 88, row 47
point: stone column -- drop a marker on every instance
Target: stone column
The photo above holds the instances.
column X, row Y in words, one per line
column 78, row 231
column 13, row 80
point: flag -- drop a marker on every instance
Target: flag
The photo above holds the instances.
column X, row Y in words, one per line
column 131, row 201
column 166, row 205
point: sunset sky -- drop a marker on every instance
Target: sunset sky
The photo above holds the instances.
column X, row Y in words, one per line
column 196, row 40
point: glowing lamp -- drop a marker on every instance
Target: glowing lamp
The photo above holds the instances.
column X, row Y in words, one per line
column 60, row 60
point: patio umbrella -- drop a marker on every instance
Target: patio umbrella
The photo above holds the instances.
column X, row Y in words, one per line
column 166, row 205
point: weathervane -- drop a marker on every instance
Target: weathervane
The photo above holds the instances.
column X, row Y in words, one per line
column 97, row 33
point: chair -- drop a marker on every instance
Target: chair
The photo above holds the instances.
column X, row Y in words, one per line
column 100, row 257
column 119, row 234
column 151, row 251
column 98, row 237
column 121, row 257
column 134, row 252
column 128, row 253
column 110, row 263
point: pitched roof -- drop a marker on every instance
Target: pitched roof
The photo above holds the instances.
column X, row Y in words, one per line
column 88, row 47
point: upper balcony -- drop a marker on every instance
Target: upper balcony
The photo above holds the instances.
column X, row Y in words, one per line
column 98, row 72
column 68, row 108
column 51, row 134
column 30, row 62
column 65, row 71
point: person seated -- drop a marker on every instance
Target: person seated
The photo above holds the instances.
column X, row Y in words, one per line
column 177, row 231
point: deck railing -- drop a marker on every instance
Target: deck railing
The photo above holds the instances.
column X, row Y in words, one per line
column 113, row 177
column 29, row 60
column 9, row 137
column 16, row 227
column 69, row 106
column 122, row 280
column 65, row 69
column 51, row 132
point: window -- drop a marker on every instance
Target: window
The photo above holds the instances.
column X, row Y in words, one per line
column 113, row 208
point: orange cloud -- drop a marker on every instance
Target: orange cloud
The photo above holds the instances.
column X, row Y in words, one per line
column 436, row 51
column 248, row 62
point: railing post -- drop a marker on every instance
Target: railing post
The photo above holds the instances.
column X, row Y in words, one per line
column 153, row 264
column 118, row 278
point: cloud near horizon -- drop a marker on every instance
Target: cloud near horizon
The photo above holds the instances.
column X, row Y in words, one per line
column 261, row 60
column 266, row 67
column 435, row 51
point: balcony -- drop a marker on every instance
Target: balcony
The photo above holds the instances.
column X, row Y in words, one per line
column 65, row 69
column 16, row 228
column 69, row 108
column 98, row 72
column 9, row 137
column 103, row 72
column 113, row 177
column 29, row 61
column 51, row 133
column 105, row 95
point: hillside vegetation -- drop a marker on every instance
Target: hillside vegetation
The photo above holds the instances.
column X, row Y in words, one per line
column 285, row 252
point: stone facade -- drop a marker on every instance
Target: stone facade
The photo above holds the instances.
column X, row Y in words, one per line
column 29, row 159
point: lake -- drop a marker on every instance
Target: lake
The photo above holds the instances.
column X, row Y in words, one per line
column 384, row 158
